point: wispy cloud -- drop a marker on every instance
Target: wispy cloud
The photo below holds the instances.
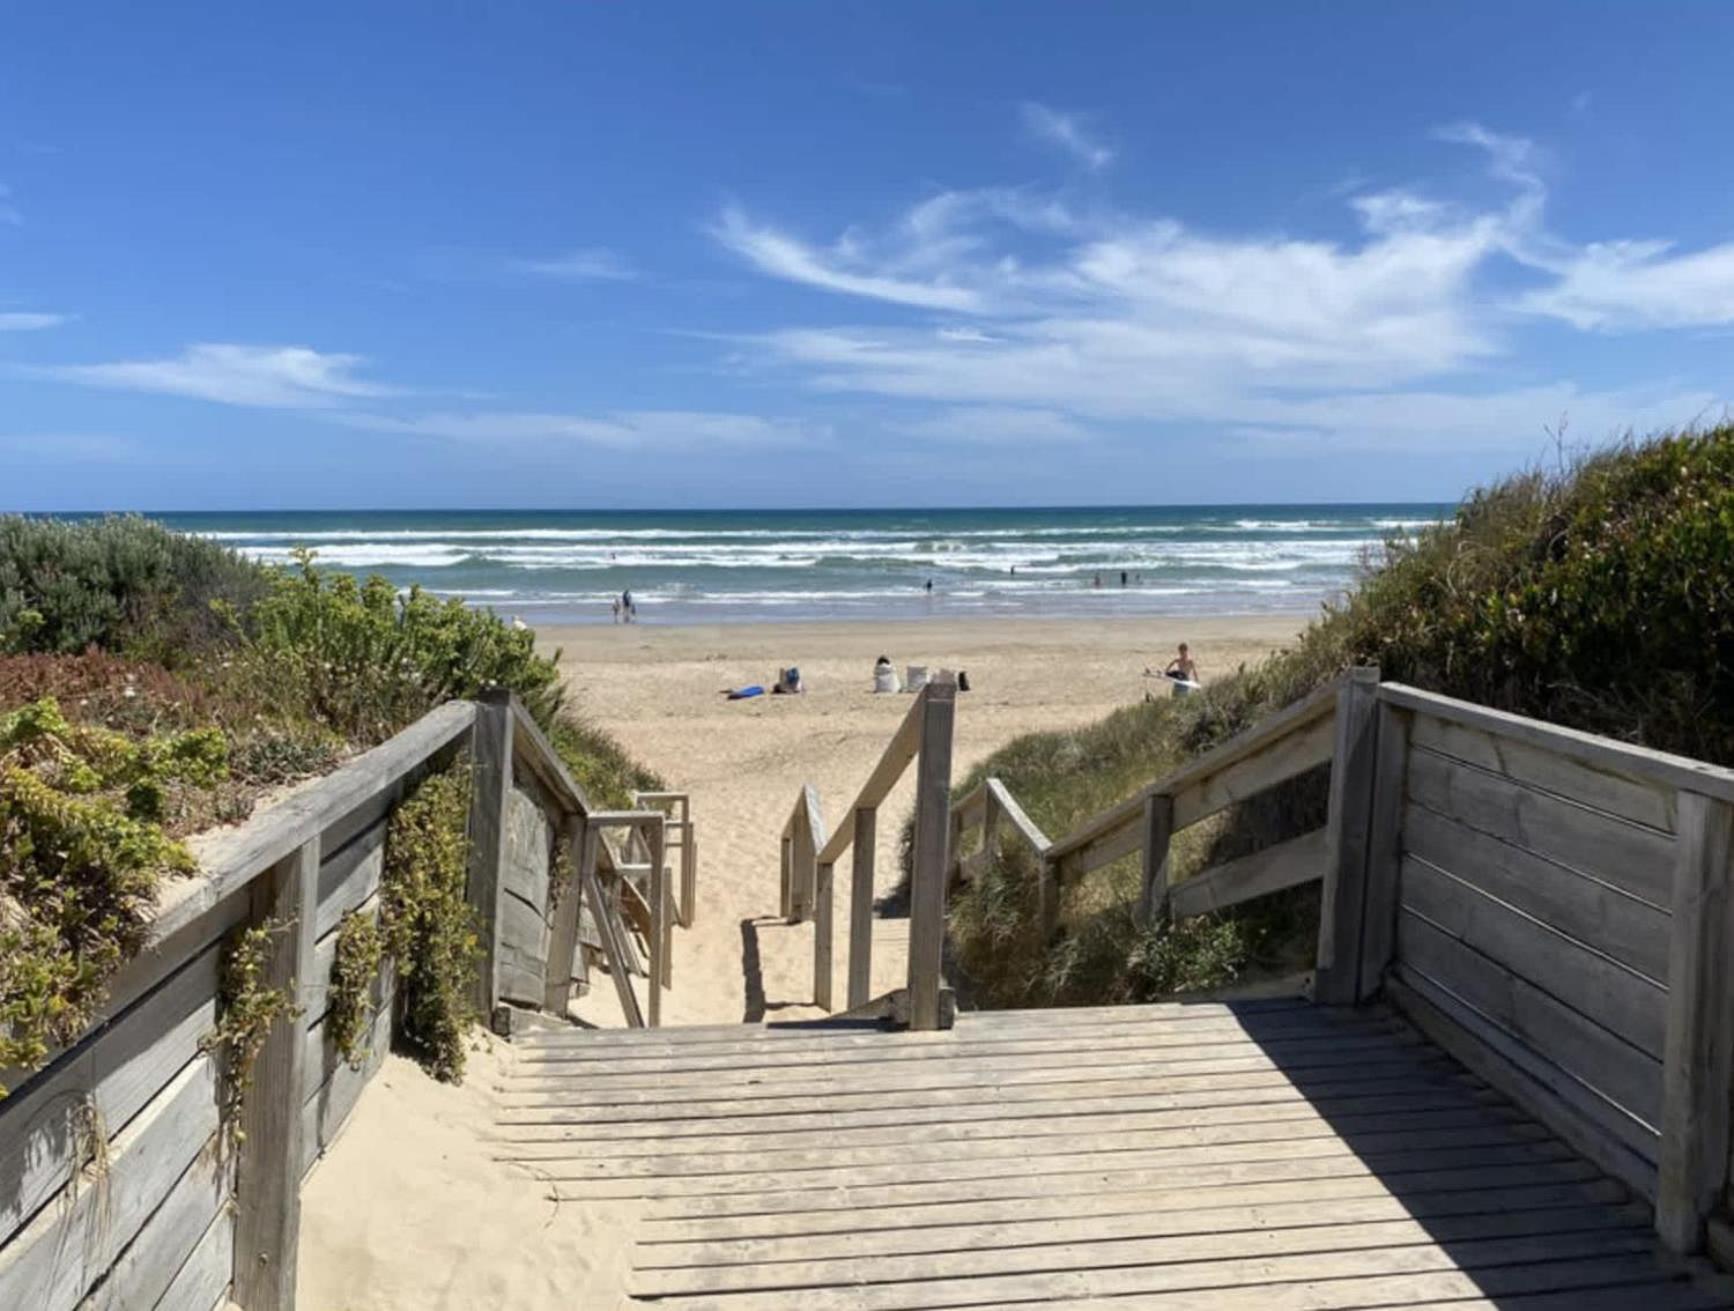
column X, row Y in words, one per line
column 591, row 264
column 276, row 377
column 659, row 430
column 10, row 214
column 24, row 321
column 837, row 268
column 1066, row 131
column 1020, row 307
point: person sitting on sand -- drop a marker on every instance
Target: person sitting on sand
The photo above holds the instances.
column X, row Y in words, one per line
column 884, row 676
column 788, row 682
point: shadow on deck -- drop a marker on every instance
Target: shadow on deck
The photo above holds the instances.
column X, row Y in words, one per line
column 1263, row 1154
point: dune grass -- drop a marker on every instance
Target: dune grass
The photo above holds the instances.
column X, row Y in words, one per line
column 1597, row 594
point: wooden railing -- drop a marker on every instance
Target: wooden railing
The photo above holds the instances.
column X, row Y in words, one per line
column 178, row 1220
column 1312, row 732
column 1554, row 908
column 680, row 837
column 809, row 858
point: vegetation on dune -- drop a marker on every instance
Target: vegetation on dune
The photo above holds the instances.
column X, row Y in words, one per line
column 1598, row 595
column 154, row 684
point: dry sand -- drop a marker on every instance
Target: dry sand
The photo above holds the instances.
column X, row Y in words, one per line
column 409, row 1210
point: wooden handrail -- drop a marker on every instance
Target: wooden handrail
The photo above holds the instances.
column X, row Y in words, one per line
column 1658, row 768
column 809, row 858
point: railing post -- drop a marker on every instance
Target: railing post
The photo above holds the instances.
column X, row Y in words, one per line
column 1048, row 898
column 1158, row 836
column 1354, row 765
column 932, row 835
column 661, row 931
column 608, row 926
column 1384, row 853
column 272, row 1150
column 688, row 866
column 861, row 908
column 990, row 822
column 822, row 916
column 1698, row 1065
column 491, row 784
column 786, row 896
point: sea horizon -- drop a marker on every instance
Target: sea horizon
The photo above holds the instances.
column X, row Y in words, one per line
column 731, row 566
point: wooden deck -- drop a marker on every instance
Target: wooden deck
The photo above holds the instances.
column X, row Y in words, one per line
column 1271, row 1155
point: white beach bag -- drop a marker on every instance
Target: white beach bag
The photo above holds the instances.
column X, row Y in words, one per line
column 915, row 678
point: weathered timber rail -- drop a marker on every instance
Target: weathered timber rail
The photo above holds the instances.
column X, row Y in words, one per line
column 1551, row 907
column 809, row 859
column 116, row 1190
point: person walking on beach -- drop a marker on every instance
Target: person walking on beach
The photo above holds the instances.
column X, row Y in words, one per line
column 627, row 612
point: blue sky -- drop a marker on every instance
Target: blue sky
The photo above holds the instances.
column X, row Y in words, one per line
column 620, row 255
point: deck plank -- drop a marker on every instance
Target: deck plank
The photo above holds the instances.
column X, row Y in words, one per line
column 1272, row 1155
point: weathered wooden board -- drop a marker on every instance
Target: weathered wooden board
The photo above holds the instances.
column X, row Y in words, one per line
column 663, row 1239
column 1598, row 787
column 1622, row 1001
column 1184, row 1243
column 324, row 1113
column 56, row 1259
column 1632, row 931
column 1284, row 865
column 1221, row 1262
column 1592, row 1125
column 149, row 1266
column 1305, row 749
column 791, row 1208
column 523, row 956
column 1625, row 1076
column 202, row 1284
column 347, row 878
column 744, row 1136
column 121, row 1067
column 528, row 843
column 322, row 1058
column 1631, row 857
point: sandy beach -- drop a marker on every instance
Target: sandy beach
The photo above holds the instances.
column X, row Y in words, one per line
column 379, row 1228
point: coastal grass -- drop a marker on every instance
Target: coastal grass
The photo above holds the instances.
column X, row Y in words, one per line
column 1598, row 594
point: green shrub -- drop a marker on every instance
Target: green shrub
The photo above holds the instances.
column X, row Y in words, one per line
column 82, row 853
column 599, row 764
column 1599, row 595
column 247, row 1007
column 365, row 662
column 121, row 583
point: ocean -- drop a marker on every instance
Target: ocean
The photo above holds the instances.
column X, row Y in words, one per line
column 729, row 566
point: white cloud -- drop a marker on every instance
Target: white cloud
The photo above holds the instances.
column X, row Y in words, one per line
column 1624, row 285
column 276, row 377
column 1021, row 305
column 592, row 264
column 22, row 321
column 659, row 430
column 835, row 269
column 1067, row 132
